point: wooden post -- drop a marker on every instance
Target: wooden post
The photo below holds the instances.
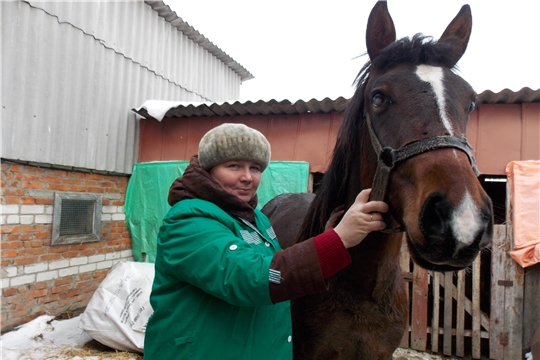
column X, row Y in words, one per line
column 497, row 339
column 476, row 312
column 460, row 315
column 436, row 306
column 405, row 262
column 513, row 303
column 419, row 309
column 447, row 336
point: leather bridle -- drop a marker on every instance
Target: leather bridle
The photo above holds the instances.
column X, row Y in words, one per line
column 388, row 157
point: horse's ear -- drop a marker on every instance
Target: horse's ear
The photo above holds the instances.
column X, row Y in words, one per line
column 380, row 29
column 458, row 32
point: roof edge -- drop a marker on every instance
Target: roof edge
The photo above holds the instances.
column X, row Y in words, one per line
column 507, row 96
column 171, row 17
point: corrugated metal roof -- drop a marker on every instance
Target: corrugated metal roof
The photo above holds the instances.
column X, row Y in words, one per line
column 506, row 96
column 285, row 107
column 170, row 16
column 73, row 69
column 271, row 107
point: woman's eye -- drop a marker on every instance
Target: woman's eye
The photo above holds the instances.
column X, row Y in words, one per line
column 378, row 100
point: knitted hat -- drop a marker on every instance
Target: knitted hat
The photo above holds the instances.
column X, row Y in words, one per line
column 233, row 142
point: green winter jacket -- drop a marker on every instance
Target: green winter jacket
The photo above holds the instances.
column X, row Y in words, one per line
column 211, row 289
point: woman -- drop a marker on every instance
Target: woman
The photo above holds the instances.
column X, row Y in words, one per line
column 222, row 282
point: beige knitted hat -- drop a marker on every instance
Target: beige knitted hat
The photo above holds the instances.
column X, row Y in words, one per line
column 233, row 142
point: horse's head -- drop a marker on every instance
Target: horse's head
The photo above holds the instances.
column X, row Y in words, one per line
column 417, row 109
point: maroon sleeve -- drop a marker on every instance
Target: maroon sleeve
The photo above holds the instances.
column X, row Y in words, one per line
column 301, row 267
column 333, row 255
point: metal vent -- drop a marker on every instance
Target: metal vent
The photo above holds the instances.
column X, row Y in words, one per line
column 77, row 218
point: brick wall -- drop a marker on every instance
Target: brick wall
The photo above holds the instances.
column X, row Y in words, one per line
column 37, row 277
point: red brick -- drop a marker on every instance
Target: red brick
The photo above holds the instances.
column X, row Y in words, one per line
column 32, row 185
column 28, row 177
column 45, row 201
column 94, row 189
column 36, row 294
column 5, row 263
column 91, row 182
column 72, row 293
column 50, row 257
column 11, row 200
column 8, row 292
column 32, row 228
column 9, row 253
column 40, row 285
column 77, row 188
column 8, row 229
column 20, row 313
column 35, row 251
column 94, row 176
column 13, row 192
column 62, row 281
column 13, row 237
column 43, row 235
column 50, row 179
column 12, row 245
column 58, row 187
column 59, row 289
column 26, row 260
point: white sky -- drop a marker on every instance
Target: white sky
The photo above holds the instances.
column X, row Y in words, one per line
column 299, row 49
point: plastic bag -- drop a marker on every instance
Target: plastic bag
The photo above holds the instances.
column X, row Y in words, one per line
column 119, row 310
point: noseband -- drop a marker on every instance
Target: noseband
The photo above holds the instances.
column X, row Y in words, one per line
column 387, row 158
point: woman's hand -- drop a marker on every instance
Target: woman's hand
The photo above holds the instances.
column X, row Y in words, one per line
column 362, row 218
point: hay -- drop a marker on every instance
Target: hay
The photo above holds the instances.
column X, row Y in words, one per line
column 87, row 351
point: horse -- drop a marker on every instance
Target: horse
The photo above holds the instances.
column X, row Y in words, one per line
column 403, row 135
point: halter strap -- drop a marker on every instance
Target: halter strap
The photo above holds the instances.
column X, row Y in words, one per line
column 388, row 157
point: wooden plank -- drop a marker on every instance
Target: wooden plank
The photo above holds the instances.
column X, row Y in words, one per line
column 466, row 333
column 476, row 346
column 513, row 303
column 405, row 263
column 531, row 304
column 496, row 316
column 447, row 336
column 435, row 320
column 419, row 309
column 468, row 304
column 460, row 315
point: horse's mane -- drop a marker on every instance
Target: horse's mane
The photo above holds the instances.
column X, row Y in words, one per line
column 346, row 160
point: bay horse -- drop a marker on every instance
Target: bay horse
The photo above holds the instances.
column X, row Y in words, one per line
column 403, row 136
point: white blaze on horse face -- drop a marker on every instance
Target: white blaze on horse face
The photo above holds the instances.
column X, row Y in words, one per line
column 466, row 221
column 434, row 76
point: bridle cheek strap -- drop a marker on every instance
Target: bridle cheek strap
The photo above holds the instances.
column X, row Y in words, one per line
column 387, row 158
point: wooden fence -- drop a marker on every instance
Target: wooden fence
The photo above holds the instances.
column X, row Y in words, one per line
column 477, row 312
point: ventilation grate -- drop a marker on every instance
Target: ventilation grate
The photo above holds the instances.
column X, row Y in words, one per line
column 77, row 217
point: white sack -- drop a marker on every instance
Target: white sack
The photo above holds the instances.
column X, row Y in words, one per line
column 119, row 310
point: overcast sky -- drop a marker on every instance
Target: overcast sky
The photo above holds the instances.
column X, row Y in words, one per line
column 299, row 49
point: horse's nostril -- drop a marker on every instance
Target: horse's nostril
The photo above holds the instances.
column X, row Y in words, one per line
column 435, row 215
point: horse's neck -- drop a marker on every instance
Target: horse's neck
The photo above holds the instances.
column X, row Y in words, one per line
column 375, row 263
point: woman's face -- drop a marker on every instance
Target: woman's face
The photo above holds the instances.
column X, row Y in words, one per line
column 238, row 177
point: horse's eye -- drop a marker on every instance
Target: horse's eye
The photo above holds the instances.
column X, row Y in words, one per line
column 472, row 106
column 378, row 99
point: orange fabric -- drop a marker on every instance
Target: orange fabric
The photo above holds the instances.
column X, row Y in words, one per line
column 524, row 192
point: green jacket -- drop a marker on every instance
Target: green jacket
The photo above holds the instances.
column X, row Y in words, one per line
column 211, row 295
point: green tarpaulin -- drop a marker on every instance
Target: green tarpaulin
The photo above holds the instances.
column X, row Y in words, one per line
column 146, row 197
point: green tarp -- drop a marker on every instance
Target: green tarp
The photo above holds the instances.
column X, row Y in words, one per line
column 146, row 197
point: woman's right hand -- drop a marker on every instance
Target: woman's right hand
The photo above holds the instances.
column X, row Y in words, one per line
column 363, row 217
